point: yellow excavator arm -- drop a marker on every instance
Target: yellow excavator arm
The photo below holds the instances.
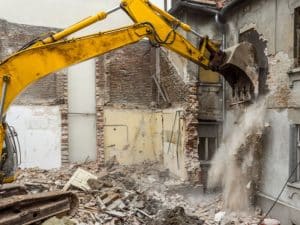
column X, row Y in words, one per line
column 42, row 57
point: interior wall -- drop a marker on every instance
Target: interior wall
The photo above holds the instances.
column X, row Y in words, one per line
column 39, row 132
column 135, row 136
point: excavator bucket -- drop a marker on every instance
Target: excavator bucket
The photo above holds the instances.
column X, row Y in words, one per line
column 240, row 71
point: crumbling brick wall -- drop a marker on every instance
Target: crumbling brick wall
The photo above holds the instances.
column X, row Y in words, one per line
column 177, row 90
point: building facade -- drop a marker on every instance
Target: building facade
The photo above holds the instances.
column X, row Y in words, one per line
column 272, row 27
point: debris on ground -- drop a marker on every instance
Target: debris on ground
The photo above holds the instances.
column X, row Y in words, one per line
column 270, row 222
column 176, row 216
column 57, row 221
column 127, row 195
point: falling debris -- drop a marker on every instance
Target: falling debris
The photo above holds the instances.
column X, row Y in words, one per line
column 236, row 165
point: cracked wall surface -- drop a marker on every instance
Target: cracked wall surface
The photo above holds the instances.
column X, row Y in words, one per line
column 274, row 22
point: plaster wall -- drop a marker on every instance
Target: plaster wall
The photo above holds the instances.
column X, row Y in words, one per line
column 174, row 133
column 39, row 133
column 276, row 158
column 135, row 136
column 274, row 21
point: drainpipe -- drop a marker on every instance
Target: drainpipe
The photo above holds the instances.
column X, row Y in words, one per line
column 220, row 18
column 221, row 23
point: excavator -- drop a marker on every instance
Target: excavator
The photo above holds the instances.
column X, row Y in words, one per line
column 47, row 54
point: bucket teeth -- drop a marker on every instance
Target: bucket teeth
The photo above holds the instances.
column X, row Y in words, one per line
column 240, row 71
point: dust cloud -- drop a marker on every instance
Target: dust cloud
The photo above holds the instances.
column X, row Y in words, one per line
column 236, row 165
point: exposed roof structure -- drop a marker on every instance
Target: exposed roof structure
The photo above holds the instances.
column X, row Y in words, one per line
column 214, row 3
column 212, row 7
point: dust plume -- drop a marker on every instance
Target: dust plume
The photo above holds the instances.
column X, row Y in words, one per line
column 236, row 164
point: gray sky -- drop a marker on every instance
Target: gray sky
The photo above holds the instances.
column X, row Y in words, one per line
column 59, row 13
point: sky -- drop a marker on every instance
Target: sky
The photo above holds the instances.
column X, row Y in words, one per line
column 58, row 13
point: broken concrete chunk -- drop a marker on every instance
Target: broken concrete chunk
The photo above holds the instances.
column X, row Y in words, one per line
column 117, row 204
column 95, row 184
column 219, row 216
column 79, row 180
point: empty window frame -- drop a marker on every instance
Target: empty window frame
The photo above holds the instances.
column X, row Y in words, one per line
column 297, row 37
column 208, row 141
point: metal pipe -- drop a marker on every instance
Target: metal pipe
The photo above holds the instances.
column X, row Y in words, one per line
column 220, row 19
column 196, row 33
column 113, row 10
column 221, row 24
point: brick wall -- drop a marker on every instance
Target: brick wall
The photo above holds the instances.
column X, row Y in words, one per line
column 12, row 38
column 124, row 79
column 175, row 87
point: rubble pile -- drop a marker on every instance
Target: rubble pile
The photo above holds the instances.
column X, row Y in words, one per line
column 176, row 216
column 139, row 194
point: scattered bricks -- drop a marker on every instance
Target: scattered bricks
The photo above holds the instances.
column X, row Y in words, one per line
column 191, row 139
column 110, row 198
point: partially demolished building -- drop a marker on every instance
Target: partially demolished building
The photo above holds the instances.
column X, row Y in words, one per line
column 273, row 28
column 171, row 111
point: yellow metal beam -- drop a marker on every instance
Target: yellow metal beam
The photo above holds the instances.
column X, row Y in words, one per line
column 29, row 65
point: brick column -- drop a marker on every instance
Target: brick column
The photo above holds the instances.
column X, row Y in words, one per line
column 101, row 92
column 62, row 93
column 192, row 163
